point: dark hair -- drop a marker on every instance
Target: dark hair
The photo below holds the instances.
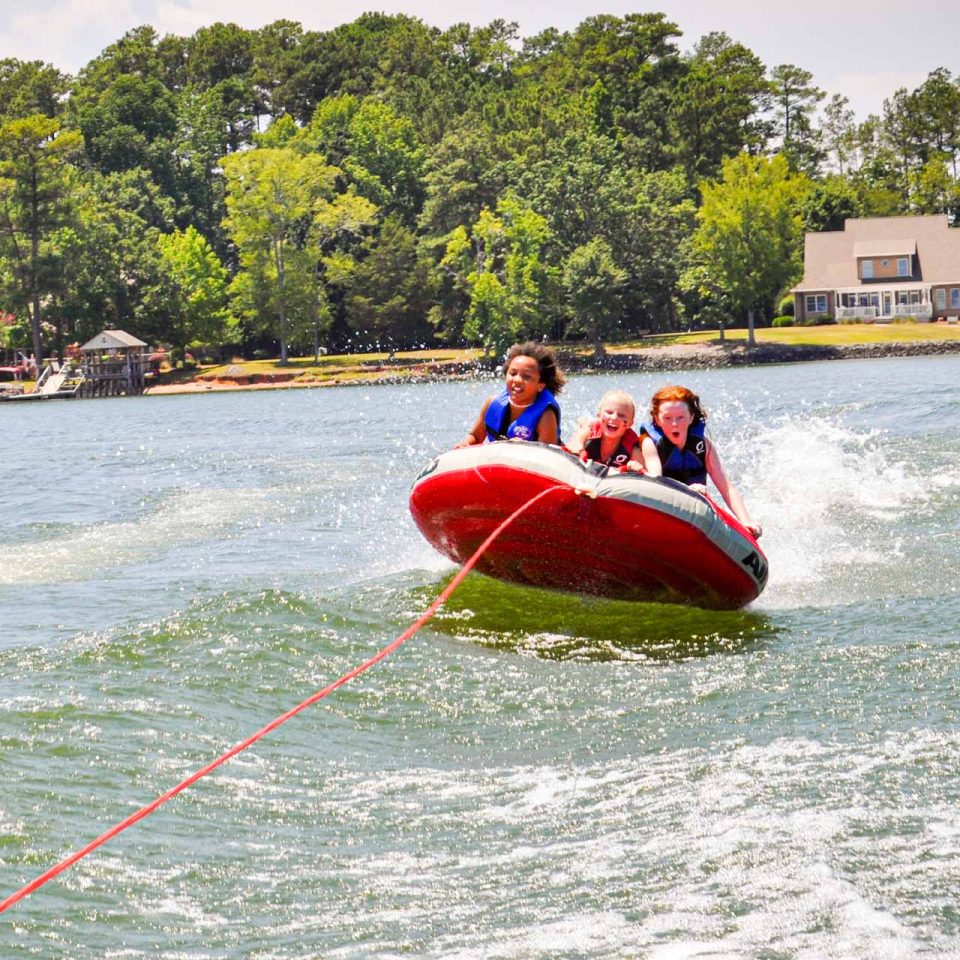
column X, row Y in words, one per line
column 666, row 394
column 550, row 374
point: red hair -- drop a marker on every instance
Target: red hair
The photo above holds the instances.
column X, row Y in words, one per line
column 684, row 395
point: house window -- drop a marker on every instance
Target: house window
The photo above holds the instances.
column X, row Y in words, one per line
column 903, row 266
column 914, row 296
column 864, row 300
column 884, row 262
column 954, row 298
column 816, row 303
column 866, row 269
column 902, row 297
column 941, row 299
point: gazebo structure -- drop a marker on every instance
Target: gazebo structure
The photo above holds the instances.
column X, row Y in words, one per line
column 113, row 364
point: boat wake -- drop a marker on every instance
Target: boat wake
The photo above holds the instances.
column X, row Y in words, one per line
column 840, row 509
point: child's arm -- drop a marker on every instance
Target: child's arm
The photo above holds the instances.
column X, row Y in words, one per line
column 579, row 439
column 478, row 432
column 729, row 492
column 650, row 457
column 548, row 428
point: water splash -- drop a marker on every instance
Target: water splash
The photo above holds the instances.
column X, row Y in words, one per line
column 836, row 505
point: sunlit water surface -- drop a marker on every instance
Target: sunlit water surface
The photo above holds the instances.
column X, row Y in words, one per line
column 533, row 775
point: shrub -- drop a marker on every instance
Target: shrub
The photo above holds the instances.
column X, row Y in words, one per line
column 782, row 322
column 825, row 318
column 787, row 305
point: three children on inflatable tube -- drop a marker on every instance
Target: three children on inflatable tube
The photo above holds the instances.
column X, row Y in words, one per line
column 673, row 443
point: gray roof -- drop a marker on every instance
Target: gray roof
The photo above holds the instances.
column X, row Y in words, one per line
column 885, row 248
column 112, row 340
column 830, row 258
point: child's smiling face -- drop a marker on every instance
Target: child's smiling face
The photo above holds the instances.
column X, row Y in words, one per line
column 523, row 380
column 615, row 417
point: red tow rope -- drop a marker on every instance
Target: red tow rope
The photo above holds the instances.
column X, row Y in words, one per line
column 319, row 695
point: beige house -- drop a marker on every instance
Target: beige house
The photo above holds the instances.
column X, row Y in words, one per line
column 880, row 269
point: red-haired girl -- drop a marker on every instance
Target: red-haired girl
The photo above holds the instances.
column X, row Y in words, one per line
column 674, row 444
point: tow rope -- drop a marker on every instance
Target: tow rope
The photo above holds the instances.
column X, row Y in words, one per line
column 283, row 718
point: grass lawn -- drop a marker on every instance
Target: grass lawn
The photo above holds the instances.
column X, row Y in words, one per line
column 372, row 366
column 839, row 334
column 352, row 366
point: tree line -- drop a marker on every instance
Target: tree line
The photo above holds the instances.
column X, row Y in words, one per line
column 387, row 184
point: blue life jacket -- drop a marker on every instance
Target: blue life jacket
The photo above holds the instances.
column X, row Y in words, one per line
column 525, row 426
column 688, row 465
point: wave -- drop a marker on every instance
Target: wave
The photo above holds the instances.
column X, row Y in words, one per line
column 86, row 552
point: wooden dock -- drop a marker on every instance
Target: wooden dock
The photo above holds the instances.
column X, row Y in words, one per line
column 112, row 364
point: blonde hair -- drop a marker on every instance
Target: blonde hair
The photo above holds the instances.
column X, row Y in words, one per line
column 619, row 396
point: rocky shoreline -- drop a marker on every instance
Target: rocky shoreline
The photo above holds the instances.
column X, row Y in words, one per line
column 702, row 356
column 707, row 356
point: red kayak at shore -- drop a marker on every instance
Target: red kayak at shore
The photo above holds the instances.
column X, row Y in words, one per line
column 598, row 532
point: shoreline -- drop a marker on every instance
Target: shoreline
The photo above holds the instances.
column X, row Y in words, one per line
column 703, row 356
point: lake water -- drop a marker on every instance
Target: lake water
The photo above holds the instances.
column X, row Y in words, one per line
column 531, row 776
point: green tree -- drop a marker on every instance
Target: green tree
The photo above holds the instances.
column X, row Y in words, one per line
column 194, row 289
column 36, row 184
column 935, row 106
column 137, row 53
column 509, row 281
column 203, row 136
column 875, row 171
column 629, row 65
column 461, row 177
column 662, row 217
column 219, row 52
column 593, row 284
column 271, row 48
column 131, row 124
column 290, row 218
column 390, row 289
column 584, row 189
column 899, row 139
column 108, row 257
column 30, row 87
column 796, row 99
column 719, row 105
column 339, row 224
column 220, row 61
column 272, row 197
column 358, row 58
column 747, row 243
column 933, row 189
column 828, row 203
column 377, row 150
column 838, row 132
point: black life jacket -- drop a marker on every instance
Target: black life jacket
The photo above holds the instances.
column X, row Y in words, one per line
column 618, row 458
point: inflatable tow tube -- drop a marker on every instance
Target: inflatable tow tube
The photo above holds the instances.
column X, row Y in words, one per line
column 625, row 536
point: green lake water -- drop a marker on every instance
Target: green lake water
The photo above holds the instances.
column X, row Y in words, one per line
column 533, row 775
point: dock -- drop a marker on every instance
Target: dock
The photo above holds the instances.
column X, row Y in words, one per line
column 112, row 364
